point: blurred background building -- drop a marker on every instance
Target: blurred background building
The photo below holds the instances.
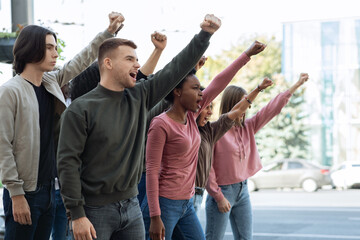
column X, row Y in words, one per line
column 330, row 51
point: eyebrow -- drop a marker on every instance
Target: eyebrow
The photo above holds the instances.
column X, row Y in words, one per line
column 132, row 57
column 50, row 44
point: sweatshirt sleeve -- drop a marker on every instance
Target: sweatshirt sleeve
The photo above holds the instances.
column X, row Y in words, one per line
column 212, row 187
column 81, row 60
column 8, row 170
column 69, row 161
column 221, row 80
column 154, row 151
column 268, row 112
column 220, row 127
column 165, row 80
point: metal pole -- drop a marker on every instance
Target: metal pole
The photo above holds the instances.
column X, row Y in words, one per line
column 22, row 12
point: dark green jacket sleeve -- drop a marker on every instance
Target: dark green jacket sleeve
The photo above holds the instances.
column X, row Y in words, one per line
column 164, row 81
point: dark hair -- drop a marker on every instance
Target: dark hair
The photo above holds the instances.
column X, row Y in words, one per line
column 170, row 96
column 231, row 96
column 30, row 46
column 85, row 81
column 110, row 44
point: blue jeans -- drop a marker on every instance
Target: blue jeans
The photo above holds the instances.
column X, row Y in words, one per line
column 60, row 224
column 197, row 200
column 142, row 188
column 119, row 220
column 178, row 213
column 42, row 209
column 240, row 213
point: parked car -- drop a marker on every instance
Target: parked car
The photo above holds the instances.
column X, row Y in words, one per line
column 291, row 173
column 346, row 175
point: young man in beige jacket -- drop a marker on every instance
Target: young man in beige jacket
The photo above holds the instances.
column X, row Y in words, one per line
column 30, row 107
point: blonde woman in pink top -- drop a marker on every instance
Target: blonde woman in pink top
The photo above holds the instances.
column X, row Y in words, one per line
column 172, row 153
column 236, row 159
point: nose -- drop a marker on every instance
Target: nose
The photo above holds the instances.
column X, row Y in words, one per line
column 56, row 54
column 200, row 93
column 137, row 65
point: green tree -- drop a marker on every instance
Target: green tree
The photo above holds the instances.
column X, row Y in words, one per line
column 286, row 135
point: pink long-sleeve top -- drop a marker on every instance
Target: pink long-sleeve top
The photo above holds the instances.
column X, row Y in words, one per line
column 172, row 148
column 236, row 157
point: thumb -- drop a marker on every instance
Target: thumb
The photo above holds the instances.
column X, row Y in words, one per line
column 205, row 24
column 93, row 232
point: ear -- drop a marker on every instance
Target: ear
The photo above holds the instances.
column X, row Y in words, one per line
column 177, row 92
column 108, row 63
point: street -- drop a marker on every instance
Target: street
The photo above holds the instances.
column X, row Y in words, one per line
column 297, row 215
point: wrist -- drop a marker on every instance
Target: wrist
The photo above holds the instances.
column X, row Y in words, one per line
column 260, row 89
column 156, row 218
column 248, row 100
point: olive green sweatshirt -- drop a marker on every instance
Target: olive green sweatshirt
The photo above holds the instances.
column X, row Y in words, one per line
column 101, row 145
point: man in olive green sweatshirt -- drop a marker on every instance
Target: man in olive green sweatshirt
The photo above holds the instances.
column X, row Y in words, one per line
column 102, row 135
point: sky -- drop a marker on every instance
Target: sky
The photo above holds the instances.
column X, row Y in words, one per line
column 179, row 20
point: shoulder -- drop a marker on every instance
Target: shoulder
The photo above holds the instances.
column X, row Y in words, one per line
column 15, row 85
column 160, row 121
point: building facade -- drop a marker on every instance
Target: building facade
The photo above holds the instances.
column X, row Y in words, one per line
column 329, row 50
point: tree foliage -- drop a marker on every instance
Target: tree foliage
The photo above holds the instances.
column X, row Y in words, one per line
column 286, row 135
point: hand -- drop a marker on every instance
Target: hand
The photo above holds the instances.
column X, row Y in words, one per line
column 21, row 210
column 157, row 229
column 116, row 22
column 303, row 78
column 201, row 63
column 83, row 229
column 210, row 24
column 224, row 205
column 266, row 83
column 159, row 40
column 255, row 48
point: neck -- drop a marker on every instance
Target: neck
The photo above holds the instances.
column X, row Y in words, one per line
column 111, row 84
column 32, row 74
column 177, row 113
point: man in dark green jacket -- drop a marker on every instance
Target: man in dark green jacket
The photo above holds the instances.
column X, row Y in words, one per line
column 102, row 135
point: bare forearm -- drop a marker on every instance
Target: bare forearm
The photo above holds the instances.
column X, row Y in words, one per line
column 294, row 87
column 149, row 67
column 242, row 105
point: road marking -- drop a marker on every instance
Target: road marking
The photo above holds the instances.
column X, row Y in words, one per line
column 309, row 209
column 312, row 236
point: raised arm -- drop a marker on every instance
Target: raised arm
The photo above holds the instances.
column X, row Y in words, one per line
column 88, row 55
column 302, row 79
column 221, row 80
column 159, row 40
column 246, row 102
column 166, row 79
column 275, row 106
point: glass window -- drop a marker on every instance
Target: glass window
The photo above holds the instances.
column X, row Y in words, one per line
column 294, row 165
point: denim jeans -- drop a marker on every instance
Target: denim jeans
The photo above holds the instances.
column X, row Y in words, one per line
column 142, row 188
column 42, row 209
column 177, row 234
column 60, row 224
column 197, row 201
column 120, row 220
column 240, row 213
column 178, row 213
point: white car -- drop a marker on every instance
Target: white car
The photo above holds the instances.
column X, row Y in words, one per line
column 346, row 175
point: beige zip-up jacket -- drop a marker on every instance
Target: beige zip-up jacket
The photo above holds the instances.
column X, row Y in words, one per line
column 19, row 119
